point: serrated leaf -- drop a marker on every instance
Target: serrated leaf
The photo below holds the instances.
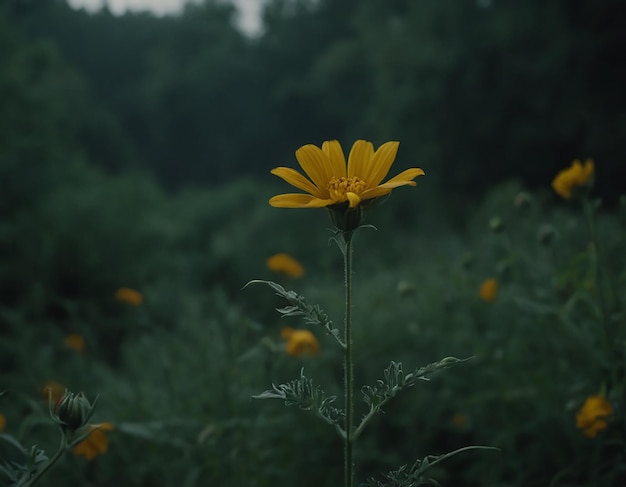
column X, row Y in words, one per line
column 312, row 314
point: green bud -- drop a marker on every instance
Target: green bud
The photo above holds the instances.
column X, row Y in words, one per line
column 496, row 224
column 73, row 411
column 405, row 288
column 522, row 200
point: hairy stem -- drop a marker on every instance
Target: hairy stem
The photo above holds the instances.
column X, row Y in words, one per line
column 348, row 366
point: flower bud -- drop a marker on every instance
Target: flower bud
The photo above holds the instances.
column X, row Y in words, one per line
column 405, row 288
column 73, row 411
column 522, row 200
column 496, row 224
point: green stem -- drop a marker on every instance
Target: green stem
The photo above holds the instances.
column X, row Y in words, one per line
column 597, row 271
column 348, row 366
column 52, row 461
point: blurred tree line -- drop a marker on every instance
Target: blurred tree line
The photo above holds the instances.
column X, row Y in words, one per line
column 476, row 91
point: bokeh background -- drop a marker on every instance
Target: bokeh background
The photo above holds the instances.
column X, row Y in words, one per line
column 135, row 152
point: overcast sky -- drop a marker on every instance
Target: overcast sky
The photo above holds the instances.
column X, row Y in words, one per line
column 249, row 10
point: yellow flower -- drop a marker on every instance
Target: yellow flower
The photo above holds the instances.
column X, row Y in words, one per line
column 331, row 181
column 54, row 390
column 75, row 342
column 285, row 264
column 129, row 296
column 574, row 176
column 3, row 422
column 591, row 417
column 300, row 343
column 489, row 289
column 96, row 443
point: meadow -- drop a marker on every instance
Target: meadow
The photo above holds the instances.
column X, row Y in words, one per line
column 171, row 315
column 137, row 297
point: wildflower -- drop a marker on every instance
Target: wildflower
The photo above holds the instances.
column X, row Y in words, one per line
column 300, row 343
column 53, row 390
column 76, row 342
column 592, row 415
column 573, row 177
column 489, row 289
column 129, row 296
column 3, row 422
column 96, row 443
column 285, row 264
column 339, row 186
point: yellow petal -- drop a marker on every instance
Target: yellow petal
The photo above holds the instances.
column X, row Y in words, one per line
column 333, row 150
column 315, row 164
column 353, row 198
column 298, row 200
column 381, row 163
column 405, row 178
column 360, row 154
column 406, row 175
column 296, row 179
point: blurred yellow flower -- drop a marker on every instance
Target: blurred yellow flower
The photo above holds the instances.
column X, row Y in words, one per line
column 574, row 176
column 459, row 420
column 331, row 181
column 300, row 343
column 129, row 296
column 3, row 422
column 54, row 390
column 76, row 342
column 489, row 289
column 96, row 443
column 285, row 264
column 592, row 415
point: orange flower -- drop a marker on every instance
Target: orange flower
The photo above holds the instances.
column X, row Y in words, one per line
column 129, row 296
column 285, row 264
column 573, row 177
column 459, row 420
column 592, row 415
column 53, row 389
column 76, row 342
column 489, row 289
column 3, row 422
column 96, row 443
column 300, row 343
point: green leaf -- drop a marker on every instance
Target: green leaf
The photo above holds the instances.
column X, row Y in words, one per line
column 312, row 314
column 416, row 474
column 302, row 393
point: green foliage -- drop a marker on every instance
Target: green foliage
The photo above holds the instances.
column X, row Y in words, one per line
column 17, row 471
column 476, row 91
column 312, row 315
column 187, row 362
column 394, row 381
column 415, row 475
column 302, row 393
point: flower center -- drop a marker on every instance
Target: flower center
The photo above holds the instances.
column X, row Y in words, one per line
column 338, row 187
